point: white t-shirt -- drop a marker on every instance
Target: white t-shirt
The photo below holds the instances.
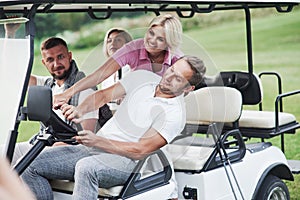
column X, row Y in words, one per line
column 140, row 111
column 56, row 89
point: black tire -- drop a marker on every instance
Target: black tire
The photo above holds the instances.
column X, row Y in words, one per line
column 273, row 188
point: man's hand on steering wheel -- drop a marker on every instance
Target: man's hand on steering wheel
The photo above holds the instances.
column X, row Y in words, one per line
column 71, row 113
column 59, row 100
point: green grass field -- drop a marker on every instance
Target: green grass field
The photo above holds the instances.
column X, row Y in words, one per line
column 276, row 45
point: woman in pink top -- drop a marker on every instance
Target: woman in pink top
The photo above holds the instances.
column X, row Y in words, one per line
column 156, row 52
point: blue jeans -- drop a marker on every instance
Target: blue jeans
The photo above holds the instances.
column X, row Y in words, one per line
column 90, row 168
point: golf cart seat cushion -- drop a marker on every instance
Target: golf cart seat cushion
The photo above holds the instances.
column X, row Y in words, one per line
column 113, row 191
column 213, row 104
column 264, row 119
column 67, row 187
column 185, row 157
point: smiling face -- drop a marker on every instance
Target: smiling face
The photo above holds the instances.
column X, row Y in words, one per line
column 155, row 40
column 114, row 42
column 57, row 60
column 175, row 80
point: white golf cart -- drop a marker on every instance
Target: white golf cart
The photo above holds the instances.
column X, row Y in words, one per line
column 214, row 163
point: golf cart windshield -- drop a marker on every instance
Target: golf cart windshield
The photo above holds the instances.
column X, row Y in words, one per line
column 14, row 62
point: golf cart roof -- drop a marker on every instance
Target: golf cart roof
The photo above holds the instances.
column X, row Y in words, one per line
column 110, row 6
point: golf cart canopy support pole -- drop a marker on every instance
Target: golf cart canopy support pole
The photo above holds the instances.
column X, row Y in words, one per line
column 30, row 32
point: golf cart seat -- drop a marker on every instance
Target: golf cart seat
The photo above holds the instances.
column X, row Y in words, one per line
column 212, row 104
column 248, row 84
column 67, row 186
column 262, row 123
column 244, row 82
column 256, row 123
column 208, row 105
column 153, row 173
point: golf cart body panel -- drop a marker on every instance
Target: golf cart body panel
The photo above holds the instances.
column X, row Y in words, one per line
column 246, row 171
column 199, row 182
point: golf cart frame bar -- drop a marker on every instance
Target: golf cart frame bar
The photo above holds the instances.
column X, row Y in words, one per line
column 107, row 7
column 103, row 9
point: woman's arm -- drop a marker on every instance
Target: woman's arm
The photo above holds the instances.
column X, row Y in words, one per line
column 107, row 69
column 93, row 102
column 11, row 29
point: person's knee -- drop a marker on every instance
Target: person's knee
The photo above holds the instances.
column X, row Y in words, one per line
column 84, row 167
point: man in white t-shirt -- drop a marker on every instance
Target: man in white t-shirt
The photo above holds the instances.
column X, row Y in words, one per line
column 64, row 73
column 151, row 115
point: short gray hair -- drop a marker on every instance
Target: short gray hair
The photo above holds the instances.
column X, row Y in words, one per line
column 198, row 67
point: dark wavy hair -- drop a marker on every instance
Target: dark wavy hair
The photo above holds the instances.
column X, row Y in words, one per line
column 53, row 42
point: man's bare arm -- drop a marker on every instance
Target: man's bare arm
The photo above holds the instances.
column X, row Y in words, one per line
column 151, row 141
column 89, row 124
column 32, row 80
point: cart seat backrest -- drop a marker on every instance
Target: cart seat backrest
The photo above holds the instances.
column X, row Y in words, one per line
column 214, row 104
column 247, row 83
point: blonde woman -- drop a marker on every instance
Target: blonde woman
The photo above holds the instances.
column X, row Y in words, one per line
column 156, row 52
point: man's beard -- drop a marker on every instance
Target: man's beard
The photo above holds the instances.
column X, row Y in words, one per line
column 169, row 91
column 63, row 76
column 165, row 90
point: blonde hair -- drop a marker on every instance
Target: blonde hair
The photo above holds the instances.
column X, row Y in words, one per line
column 173, row 29
column 122, row 32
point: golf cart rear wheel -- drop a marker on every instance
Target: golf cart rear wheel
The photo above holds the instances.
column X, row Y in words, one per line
column 273, row 188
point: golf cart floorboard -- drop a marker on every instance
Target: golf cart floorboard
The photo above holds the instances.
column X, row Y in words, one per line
column 294, row 166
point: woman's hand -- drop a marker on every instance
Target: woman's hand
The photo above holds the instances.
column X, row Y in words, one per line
column 59, row 100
